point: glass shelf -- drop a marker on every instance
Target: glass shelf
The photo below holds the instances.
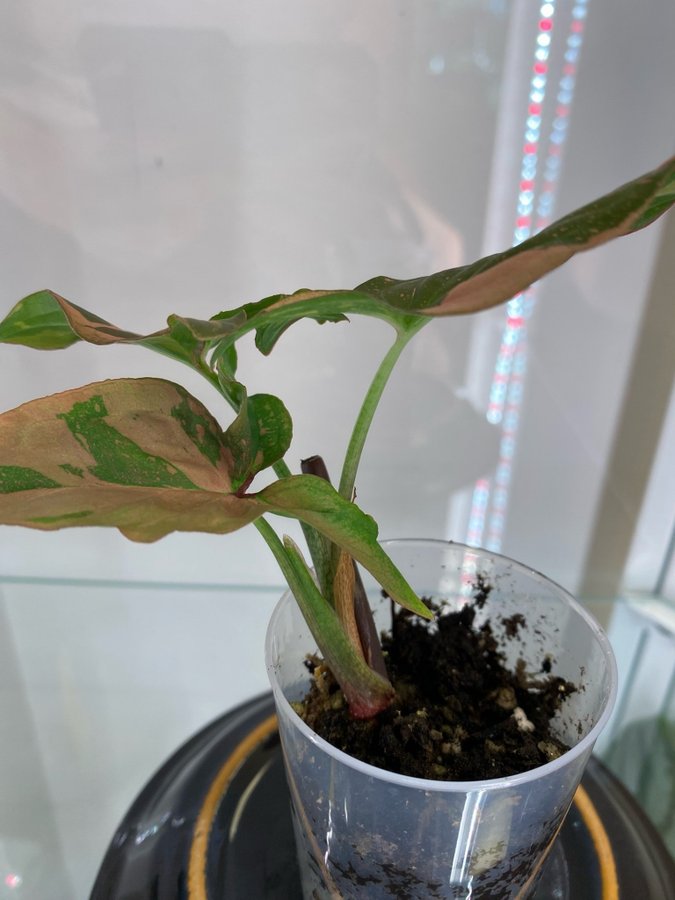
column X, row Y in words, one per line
column 100, row 682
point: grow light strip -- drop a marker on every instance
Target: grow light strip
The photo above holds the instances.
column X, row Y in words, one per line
column 506, row 392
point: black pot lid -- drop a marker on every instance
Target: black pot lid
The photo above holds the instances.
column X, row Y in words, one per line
column 214, row 823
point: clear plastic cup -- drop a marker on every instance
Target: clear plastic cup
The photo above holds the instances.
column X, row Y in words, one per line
column 364, row 832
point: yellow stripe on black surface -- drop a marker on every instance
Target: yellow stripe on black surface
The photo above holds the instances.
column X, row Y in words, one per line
column 601, row 842
column 200, row 840
column 207, row 813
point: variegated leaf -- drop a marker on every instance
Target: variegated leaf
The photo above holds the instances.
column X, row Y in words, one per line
column 141, row 455
column 47, row 321
column 144, row 456
column 471, row 288
column 258, row 437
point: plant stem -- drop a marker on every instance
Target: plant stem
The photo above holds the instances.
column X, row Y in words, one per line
column 313, row 538
column 369, row 405
column 273, row 541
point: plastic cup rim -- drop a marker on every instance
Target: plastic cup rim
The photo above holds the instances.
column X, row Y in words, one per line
column 428, row 784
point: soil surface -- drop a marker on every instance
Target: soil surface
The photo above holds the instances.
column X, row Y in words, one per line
column 458, row 715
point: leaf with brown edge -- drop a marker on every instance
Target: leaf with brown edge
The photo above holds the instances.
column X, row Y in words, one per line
column 46, row 321
column 497, row 278
column 141, row 455
column 480, row 285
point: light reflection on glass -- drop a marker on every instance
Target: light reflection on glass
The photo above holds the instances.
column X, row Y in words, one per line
column 536, row 189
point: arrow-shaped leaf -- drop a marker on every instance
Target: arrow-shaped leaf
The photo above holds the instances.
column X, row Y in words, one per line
column 141, row 455
column 145, row 456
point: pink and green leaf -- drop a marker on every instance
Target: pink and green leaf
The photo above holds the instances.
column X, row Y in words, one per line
column 47, row 321
column 146, row 457
column 141, row 455
column 485, row 283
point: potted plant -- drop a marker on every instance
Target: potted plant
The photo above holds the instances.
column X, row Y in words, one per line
column 146, row 457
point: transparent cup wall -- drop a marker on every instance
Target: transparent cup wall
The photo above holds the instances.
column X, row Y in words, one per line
column 362, row 831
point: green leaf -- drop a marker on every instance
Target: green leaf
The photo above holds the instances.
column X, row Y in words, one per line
column 480, row 285
column 141, row 455
column 37, row 321
column 46, row 321
column 367, row 692
column 224, row 363
column 316, row 502
column 258, row 437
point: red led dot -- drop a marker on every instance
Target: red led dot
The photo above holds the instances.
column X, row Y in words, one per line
column 577, row 26
column 540, row 68
column 534, row 109
column 529, row 148
column 562, row 111
column 545, row 25
column 526, row 184
column 523, row 221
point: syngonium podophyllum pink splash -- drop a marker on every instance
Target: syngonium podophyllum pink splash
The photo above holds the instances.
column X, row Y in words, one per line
column 146, row 457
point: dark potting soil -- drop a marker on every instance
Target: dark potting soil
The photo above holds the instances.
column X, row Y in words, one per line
column 459, row 714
